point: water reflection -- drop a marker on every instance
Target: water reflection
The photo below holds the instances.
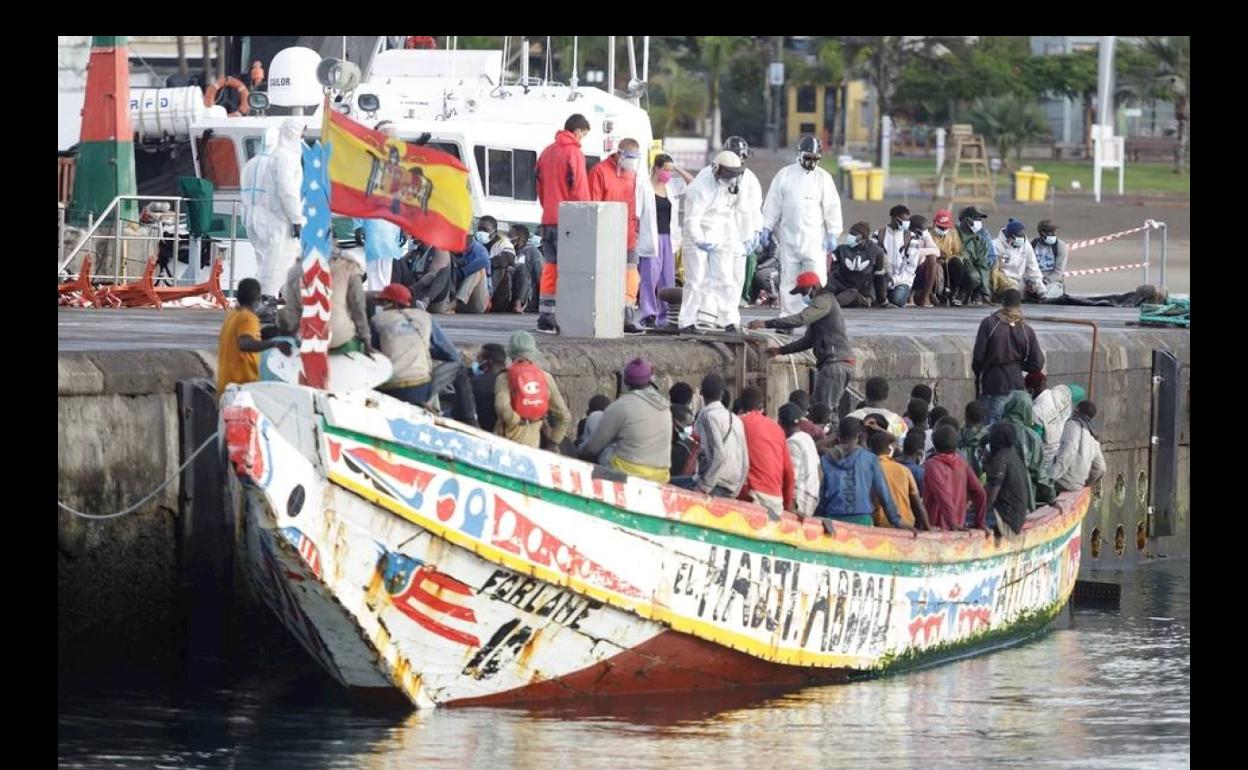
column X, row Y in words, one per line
column 1104, row 689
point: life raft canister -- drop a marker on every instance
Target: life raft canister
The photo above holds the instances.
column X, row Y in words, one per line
column 210, row 96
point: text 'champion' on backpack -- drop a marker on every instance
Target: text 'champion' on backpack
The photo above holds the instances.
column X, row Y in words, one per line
column 530, row 398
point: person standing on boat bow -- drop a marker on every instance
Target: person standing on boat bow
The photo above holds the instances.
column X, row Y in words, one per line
column 561, row 177
column 239, row 345
column 1005, row 347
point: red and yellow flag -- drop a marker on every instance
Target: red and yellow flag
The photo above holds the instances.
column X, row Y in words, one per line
column 422, row 190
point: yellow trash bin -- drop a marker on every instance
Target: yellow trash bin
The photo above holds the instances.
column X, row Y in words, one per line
column 1022, row 186
column 875, row 188
column 1039, row 187
column 858, row 180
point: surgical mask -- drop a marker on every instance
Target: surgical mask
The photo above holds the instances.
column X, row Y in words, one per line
column 903, row 225
column 806, row 300
column 686, row 431
column 942, row 231
column 476, row 367
column 976, row 225
column 627, row 163
column 665, row 177
column 1050, row 239
column 854, row 240
column 483, row 237
column 1019, row 241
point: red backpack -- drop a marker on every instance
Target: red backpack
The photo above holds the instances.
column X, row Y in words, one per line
column 530, row 398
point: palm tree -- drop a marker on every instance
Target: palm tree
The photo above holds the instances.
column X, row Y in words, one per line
column 1010, row 122
column 683, row 99
column 1174, row 55
column 715, row 52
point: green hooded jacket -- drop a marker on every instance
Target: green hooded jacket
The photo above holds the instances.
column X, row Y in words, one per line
column 972, row 445
column 1018, row 414
column 975, row 252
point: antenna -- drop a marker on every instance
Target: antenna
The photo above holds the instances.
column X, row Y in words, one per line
column 575, row 43
column 546, row 76
column 645, row 59
column 611, row 64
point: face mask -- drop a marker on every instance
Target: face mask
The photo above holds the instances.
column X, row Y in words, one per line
column 976, row 225
column 1019, row 241
column 686, row 432
column 854, row 240
column 628, row 164
column 903, row 225
column 942, row 232
column 807, row 300
column 1050, row 239
column 665, row 177
column 483, row 237
column 476, row 367
column 807, row 161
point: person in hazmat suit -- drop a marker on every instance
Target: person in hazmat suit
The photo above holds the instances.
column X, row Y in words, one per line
column 751, row 210
column 714, row 247
column 273, row 201
column 383, row 240
column 803, row 212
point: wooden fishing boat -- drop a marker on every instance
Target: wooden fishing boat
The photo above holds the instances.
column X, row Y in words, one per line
column 412, row 553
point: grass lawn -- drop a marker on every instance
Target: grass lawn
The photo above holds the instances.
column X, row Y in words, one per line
column 1141, row 178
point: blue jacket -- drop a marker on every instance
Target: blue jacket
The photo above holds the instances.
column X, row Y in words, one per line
column 847, row 485
column 472, row 259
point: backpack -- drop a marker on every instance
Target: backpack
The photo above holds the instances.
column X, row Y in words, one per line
column 530, row 398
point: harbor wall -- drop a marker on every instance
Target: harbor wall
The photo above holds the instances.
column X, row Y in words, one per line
column 121, row 583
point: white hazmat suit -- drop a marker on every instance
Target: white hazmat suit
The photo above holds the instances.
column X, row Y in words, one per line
column 273, row 203
column 713, row 278
column 803, row 212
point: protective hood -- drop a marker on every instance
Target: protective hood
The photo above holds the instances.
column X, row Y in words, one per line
column 272, row 134
column 291, row 134
column 1018, row 409
column 1077, row 394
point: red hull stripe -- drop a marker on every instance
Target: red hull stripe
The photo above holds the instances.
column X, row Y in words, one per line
column 446, row 632
column 442, row 605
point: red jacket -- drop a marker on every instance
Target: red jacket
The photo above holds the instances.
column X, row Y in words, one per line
column 606, row 183
column 561, row 175
column 947, row 482
column 771, row 469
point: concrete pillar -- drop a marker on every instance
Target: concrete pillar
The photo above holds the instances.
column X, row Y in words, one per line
column 592, row 263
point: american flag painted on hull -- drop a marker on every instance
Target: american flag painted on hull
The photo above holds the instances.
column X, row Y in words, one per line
column 434, row 600
column 307, row 549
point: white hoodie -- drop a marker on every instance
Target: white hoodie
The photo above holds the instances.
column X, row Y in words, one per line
column 1018, row 263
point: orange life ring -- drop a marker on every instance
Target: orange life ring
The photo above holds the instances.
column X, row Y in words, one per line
column 210, row 96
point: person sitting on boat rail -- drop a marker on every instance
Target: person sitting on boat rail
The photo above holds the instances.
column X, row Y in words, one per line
column 876, row 391
column 901, row 484
column 1079, row 461
column 635, row 434
column 527, row 399
column 851, row 476
column 491, row 362
column 1008, row 485
column 1018, row 415
column 723, row 459
column 805, row 459
column 239, row 346
column 1051, row 408
column 912, row 455
column 973, row 438
column 684, row 445
column 771, row 478
column 948, row 483
column 412, row 340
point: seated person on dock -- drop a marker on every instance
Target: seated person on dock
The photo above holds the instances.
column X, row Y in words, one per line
column 949, row 483
column 456, row 283
column 1051, row 253
column 901, row 484
column 528, row 272
column 1016, row 266
column 1079, row 461
column 1143, row 294
column 851, row 477
column 527, row 398
column 635, row 434
column 858, row 273
column 1008, row 485
column 413, row 341
column 239, row 346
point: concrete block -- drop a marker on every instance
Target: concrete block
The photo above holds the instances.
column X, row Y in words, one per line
column 76, row 375
column 138, row 372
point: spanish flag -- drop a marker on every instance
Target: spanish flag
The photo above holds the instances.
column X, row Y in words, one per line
column 420, row 189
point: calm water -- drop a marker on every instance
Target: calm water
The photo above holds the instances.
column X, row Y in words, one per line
column 1101, row 690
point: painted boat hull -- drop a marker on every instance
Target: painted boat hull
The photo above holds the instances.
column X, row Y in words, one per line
column 407, row 552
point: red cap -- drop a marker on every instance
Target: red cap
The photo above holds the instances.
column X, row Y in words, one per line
column 397, row 293
column 806, row 280
column 943, row 218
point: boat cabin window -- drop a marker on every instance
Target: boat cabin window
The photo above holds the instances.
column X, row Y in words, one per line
column 251, row 146
column 218, row 161
column 507, row 173
column 450, row 148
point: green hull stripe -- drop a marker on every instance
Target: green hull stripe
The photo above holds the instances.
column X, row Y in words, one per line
column 102, row 171
column 666, row 527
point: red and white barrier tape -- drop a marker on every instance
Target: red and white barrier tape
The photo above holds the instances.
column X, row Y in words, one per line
column 1096, row 270
column 1148, row 224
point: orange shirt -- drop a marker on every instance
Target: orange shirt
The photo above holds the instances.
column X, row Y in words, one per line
column 900, row 485
column 233, row 365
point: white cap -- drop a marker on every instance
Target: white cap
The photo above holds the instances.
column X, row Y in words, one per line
column 728, row 159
